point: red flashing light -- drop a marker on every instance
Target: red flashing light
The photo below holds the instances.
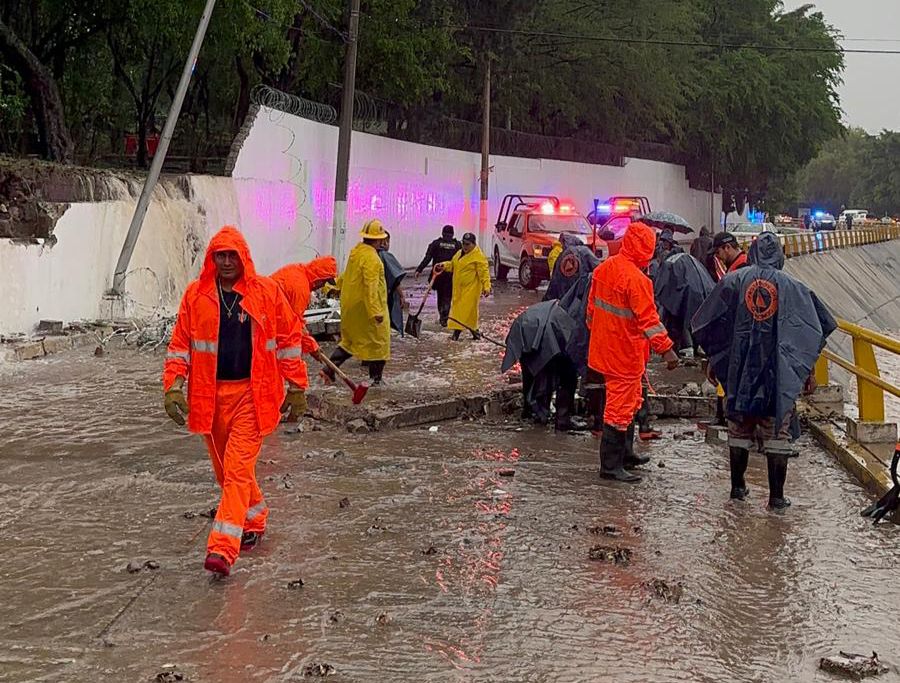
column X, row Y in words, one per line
column 625, row 208
column 547, row 208
column 566, row 208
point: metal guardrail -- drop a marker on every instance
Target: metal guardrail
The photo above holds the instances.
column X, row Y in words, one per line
column 870, row 386
column 812, row 242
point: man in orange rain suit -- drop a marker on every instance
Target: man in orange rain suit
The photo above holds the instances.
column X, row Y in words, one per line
column 235, row 342
column 298, row 281
column 625, row 325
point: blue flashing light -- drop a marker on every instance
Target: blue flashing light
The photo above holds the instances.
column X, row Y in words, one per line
column 604, row 208
column 819, row 214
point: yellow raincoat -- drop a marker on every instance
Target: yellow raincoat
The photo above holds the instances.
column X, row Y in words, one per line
column 471, row 279
column 554, row 254
column 364, row 296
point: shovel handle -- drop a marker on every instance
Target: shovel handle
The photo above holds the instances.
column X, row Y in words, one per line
column 481, row 335
column 326, row 361
column 425, row 298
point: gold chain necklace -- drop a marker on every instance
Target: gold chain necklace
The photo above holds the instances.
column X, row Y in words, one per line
column 228, row 309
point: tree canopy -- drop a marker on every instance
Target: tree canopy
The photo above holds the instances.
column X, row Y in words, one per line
column 741, row 92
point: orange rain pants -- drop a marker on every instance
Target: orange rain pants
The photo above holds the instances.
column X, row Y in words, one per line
column 234, row 445
column 623, row 400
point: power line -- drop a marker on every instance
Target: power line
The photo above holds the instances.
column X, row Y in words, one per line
column 290, row 27
column 620, row 40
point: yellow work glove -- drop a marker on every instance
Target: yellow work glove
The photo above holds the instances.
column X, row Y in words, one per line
column 176, row 405
column 295, row 404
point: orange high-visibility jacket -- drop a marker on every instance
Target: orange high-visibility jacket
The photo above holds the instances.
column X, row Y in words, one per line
column 621, row 312
column 276, row 333
column 296, row 281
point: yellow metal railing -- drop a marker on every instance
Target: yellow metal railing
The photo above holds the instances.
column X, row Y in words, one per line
column 870, row 386
column 809, row 242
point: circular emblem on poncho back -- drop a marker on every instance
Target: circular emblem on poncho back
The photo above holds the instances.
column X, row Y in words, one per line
column 568, row 266
column 761, row 300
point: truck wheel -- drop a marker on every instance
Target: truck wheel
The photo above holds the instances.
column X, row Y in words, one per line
column 500, row 271
column 526, row 273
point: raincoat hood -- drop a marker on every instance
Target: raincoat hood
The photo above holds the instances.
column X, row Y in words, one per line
column 766, row 251
column 228, row 238
column 639, row 244
column 569, row 241
column 323, row 268
column 704, row 231
column 667, row 236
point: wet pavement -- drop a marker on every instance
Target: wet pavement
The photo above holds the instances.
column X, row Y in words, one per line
column 456, row 555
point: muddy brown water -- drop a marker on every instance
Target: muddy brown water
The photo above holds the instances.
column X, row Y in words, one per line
column 440, row 568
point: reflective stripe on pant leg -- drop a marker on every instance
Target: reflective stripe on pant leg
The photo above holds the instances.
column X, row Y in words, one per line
column 258, row 513
column 623, row 398
column 741, row 432
column 234, row 407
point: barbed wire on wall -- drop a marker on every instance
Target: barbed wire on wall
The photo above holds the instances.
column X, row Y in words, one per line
column 266, row 96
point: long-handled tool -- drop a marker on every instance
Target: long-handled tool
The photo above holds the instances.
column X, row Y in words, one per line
column 479, row 335
column 359, row 390
column 413, row 322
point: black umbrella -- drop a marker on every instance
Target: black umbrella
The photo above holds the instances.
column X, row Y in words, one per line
column 663, row 220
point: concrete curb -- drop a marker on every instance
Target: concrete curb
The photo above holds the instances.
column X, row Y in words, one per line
column 46, row 346
column 865, row 466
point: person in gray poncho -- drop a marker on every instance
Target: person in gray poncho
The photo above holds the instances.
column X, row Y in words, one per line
column 763, row 332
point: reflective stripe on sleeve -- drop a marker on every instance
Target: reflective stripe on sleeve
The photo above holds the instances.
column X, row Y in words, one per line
column 256, row 510
column 615, row 310
column 179, row 355
column 653, row 331
column 204, row 346
column 227, row 529
column 289, row 352
column 271, row 345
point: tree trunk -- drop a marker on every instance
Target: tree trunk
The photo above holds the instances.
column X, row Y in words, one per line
column 56, row 145
column 243, row 100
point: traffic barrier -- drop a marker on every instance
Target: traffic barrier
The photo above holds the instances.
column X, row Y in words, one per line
column 871, row 388
column 812, row 242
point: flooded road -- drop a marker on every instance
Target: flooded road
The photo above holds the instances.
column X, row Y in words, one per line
column 439, row 565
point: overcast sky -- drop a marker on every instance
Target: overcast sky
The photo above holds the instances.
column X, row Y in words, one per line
column 870, row 96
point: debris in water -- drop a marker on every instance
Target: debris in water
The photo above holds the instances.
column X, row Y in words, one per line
column 335, row 617
column 661, row 465
column 383, row 619
column 135, row 566
column 338, row 454
column 662, row 589
column 209, row 514
column 430, row 550
column 344, row 502
column 286, row 482
column 358, row 426
column 506, row 472
column 614, row 555
column 99, row 351
column 264, row 637
column 296, row 584
column 376, row 528
column 319, row 670
column 853, row 666
column 433, row 429
column 605, row 530
column 169, row 677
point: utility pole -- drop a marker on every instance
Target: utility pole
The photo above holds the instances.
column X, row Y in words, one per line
column 137, row 221
column 342, row 175
column 485, row 157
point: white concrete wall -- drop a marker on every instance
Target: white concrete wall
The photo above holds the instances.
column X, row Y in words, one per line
column 415, row 189
column 281, row 197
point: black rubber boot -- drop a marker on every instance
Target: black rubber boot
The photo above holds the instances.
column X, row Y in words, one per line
column 739, row 458
column 632, row 460
column 565, row 401
column 720, row 412
column 456, row 334
column 612, row 456
column 596, row 403
column 777, row 474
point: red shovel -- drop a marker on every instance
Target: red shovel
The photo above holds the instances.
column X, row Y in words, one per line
column 359, row 390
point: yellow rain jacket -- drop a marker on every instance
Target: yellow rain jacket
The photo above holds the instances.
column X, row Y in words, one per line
column 471, row 279
column 363, row 296
column 554, row 254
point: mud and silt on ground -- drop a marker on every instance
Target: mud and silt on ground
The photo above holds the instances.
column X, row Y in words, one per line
column 413, row 555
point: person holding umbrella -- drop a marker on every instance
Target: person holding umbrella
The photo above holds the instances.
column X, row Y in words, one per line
column 471, row 281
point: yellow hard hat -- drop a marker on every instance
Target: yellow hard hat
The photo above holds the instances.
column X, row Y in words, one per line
column 373, row 230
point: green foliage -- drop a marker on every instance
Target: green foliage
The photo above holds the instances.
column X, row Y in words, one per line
column 856, row 170
column 751, row 117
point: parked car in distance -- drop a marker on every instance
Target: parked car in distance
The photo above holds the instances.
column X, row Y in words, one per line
column 824, row 221
column 859, row 216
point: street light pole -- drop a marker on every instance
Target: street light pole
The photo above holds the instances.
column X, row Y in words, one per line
column 485, row 156
column 342, row 175
column 134, row 230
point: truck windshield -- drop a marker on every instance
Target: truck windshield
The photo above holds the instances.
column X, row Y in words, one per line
column 556, row 223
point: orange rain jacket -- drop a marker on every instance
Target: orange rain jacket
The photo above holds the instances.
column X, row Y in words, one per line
column 622, row 316
column 277, row 334
column 296, row 281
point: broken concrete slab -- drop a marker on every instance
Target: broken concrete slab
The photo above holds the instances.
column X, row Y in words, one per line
column 872, row 432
